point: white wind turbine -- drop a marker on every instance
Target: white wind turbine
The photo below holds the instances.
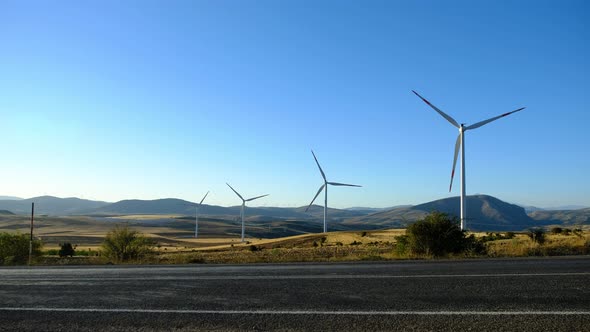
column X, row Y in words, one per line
column 197, row 215
column 461, row 143
column 325, row 188
column 244, row 206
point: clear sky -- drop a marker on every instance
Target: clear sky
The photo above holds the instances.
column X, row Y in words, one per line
column 144, row 99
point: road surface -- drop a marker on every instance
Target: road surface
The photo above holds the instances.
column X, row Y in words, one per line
column 541, row 294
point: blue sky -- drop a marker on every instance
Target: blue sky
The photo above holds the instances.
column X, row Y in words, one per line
column 146, row 99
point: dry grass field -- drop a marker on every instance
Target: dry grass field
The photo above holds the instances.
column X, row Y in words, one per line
column 176, row 244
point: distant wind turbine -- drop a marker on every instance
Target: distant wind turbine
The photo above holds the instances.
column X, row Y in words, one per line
column 461, row 143
column 325, row 188
column 244, row 206
column 197, row 215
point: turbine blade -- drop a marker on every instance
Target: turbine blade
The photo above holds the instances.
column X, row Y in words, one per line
column 320, row 167
column 444, row 115
column 240, row 196
column 479, row 124
column 343, row 184
column 204, row 198
column 257, row 197
column 457, row 146
column 316, row 196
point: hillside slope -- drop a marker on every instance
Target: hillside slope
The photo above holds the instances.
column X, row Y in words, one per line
column 484, row 213
column 51, row 205
column 565, row 217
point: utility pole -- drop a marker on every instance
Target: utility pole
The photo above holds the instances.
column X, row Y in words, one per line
column 31, row 239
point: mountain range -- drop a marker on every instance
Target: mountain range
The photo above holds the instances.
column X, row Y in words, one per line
column 484, row 212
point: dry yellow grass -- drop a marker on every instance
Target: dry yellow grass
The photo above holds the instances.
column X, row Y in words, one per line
column 555, row 244
column 178, row 246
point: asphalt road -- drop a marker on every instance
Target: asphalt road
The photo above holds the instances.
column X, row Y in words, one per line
column 495, row 295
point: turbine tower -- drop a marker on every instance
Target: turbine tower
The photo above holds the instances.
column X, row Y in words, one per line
column 325, row 188
column 461, row 143
column 197, row 216
column 244, row 206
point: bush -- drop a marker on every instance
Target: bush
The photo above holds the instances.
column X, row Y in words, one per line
column 123, row 244
column 496, row 236
column 363, row 234
column 254, row 248
column 66, row 250
column 537, row 235
column 556, row 230
column 14, row 248
column 437, row 235
column 401, row 244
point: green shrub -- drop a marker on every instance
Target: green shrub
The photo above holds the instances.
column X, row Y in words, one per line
column 401, row 244
column 438, row 234
column 88, row 252
column 556, row 230
column 497, row 236
column 123, row 244
column 66, row 250
column 363, row 234
column 473, row 246
column 537, row 235
column 254, row 248
column 14, row 248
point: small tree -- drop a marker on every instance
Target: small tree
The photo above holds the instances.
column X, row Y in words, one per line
column 66, row 250
column 14, row 248
column 438, row 234
column 123, row 244
column 537, row 235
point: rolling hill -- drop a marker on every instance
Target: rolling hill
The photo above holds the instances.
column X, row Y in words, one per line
column 51, row 205
column 483, row 212
column 564, row 217
column 10, row 198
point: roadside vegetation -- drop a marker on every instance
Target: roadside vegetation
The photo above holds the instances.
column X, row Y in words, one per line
column 14, row 249
column 437, row 236
column 123, row 244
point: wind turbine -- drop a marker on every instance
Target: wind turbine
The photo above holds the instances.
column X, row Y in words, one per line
column 244, row 206
column 197, row 215
column 325, row 188
column 461, row 143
